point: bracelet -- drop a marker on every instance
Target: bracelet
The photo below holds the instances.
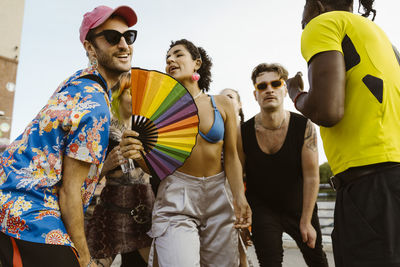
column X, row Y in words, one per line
column 297, row 96
column 90, row 262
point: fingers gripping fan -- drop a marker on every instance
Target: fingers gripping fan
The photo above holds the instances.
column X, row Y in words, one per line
column 165, row 116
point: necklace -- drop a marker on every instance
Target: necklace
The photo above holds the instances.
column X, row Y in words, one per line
column 196, row 96
column 272, row 129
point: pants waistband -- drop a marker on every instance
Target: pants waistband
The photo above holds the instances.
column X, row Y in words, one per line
column 195, row 179
column 355, row 173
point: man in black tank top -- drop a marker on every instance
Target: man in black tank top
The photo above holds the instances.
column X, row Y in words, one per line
column 278, row 150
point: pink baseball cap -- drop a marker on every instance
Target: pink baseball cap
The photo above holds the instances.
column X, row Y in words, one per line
column 100, row 14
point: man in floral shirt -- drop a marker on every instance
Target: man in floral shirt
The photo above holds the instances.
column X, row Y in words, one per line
column 49, row 173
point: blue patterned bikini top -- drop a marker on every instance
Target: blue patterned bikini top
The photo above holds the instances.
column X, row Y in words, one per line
column 216, row 133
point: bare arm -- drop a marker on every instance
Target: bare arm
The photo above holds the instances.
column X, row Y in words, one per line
column 233, row 167
column 324, row 103
column 309, row 162
column 70, row 198
column 239, row 144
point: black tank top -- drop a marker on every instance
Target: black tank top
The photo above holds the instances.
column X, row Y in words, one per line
column 275, row 180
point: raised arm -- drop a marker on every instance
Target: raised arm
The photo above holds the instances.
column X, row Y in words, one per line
column 70, row 198
column 309, row 162
column 324, row 102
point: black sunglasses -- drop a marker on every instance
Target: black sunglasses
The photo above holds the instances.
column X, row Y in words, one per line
column 274, row 84
column 113, row 37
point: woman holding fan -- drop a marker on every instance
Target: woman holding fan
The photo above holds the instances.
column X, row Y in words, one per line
column 193, row 220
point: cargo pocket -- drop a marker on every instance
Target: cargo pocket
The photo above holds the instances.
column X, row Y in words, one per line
column 158, row 229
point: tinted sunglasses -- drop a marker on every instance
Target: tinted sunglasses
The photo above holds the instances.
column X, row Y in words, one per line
column 113, row 37
column 274, row 84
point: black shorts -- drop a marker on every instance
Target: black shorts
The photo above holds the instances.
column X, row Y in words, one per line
column 367, row 221
column 20, row 253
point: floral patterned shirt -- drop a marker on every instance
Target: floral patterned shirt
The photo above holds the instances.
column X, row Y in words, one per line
column 74, row 123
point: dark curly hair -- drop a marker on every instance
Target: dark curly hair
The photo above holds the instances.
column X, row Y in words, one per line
column 346, row 4
column 198, row 53
column 367, row 6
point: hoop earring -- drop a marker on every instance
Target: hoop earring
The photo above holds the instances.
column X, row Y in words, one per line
column 195, row 77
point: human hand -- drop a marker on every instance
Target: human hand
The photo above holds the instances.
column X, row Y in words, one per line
column 114, row 159
column 308, row 234
column 295, row 85
column 242, row 212
column 130, row 146
column 246, row 236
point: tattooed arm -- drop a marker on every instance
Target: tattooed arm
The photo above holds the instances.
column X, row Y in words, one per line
column 309, row 162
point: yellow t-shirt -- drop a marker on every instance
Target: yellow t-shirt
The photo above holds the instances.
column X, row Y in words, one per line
column 370, row 129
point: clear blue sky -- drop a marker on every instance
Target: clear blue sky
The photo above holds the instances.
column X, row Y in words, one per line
column 237, row 34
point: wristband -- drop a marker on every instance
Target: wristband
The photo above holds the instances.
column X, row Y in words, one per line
column 297, row 96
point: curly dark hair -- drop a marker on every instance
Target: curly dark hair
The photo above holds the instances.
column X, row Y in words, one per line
column 265, row 67
column 346, row 4
column 198, row 53
column 367, row 6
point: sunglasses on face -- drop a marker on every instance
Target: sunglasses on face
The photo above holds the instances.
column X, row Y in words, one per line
column 113, row 37
column 274, row 84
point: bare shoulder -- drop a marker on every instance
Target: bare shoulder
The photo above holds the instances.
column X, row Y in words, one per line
column 224, row 105
column 223, row 100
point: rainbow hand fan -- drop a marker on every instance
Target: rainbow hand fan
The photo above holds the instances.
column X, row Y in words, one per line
column 165, row 116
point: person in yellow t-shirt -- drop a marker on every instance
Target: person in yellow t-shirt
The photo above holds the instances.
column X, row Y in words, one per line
column 354, row 77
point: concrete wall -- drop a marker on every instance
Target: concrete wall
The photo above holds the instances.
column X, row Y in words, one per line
column 11, row 19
